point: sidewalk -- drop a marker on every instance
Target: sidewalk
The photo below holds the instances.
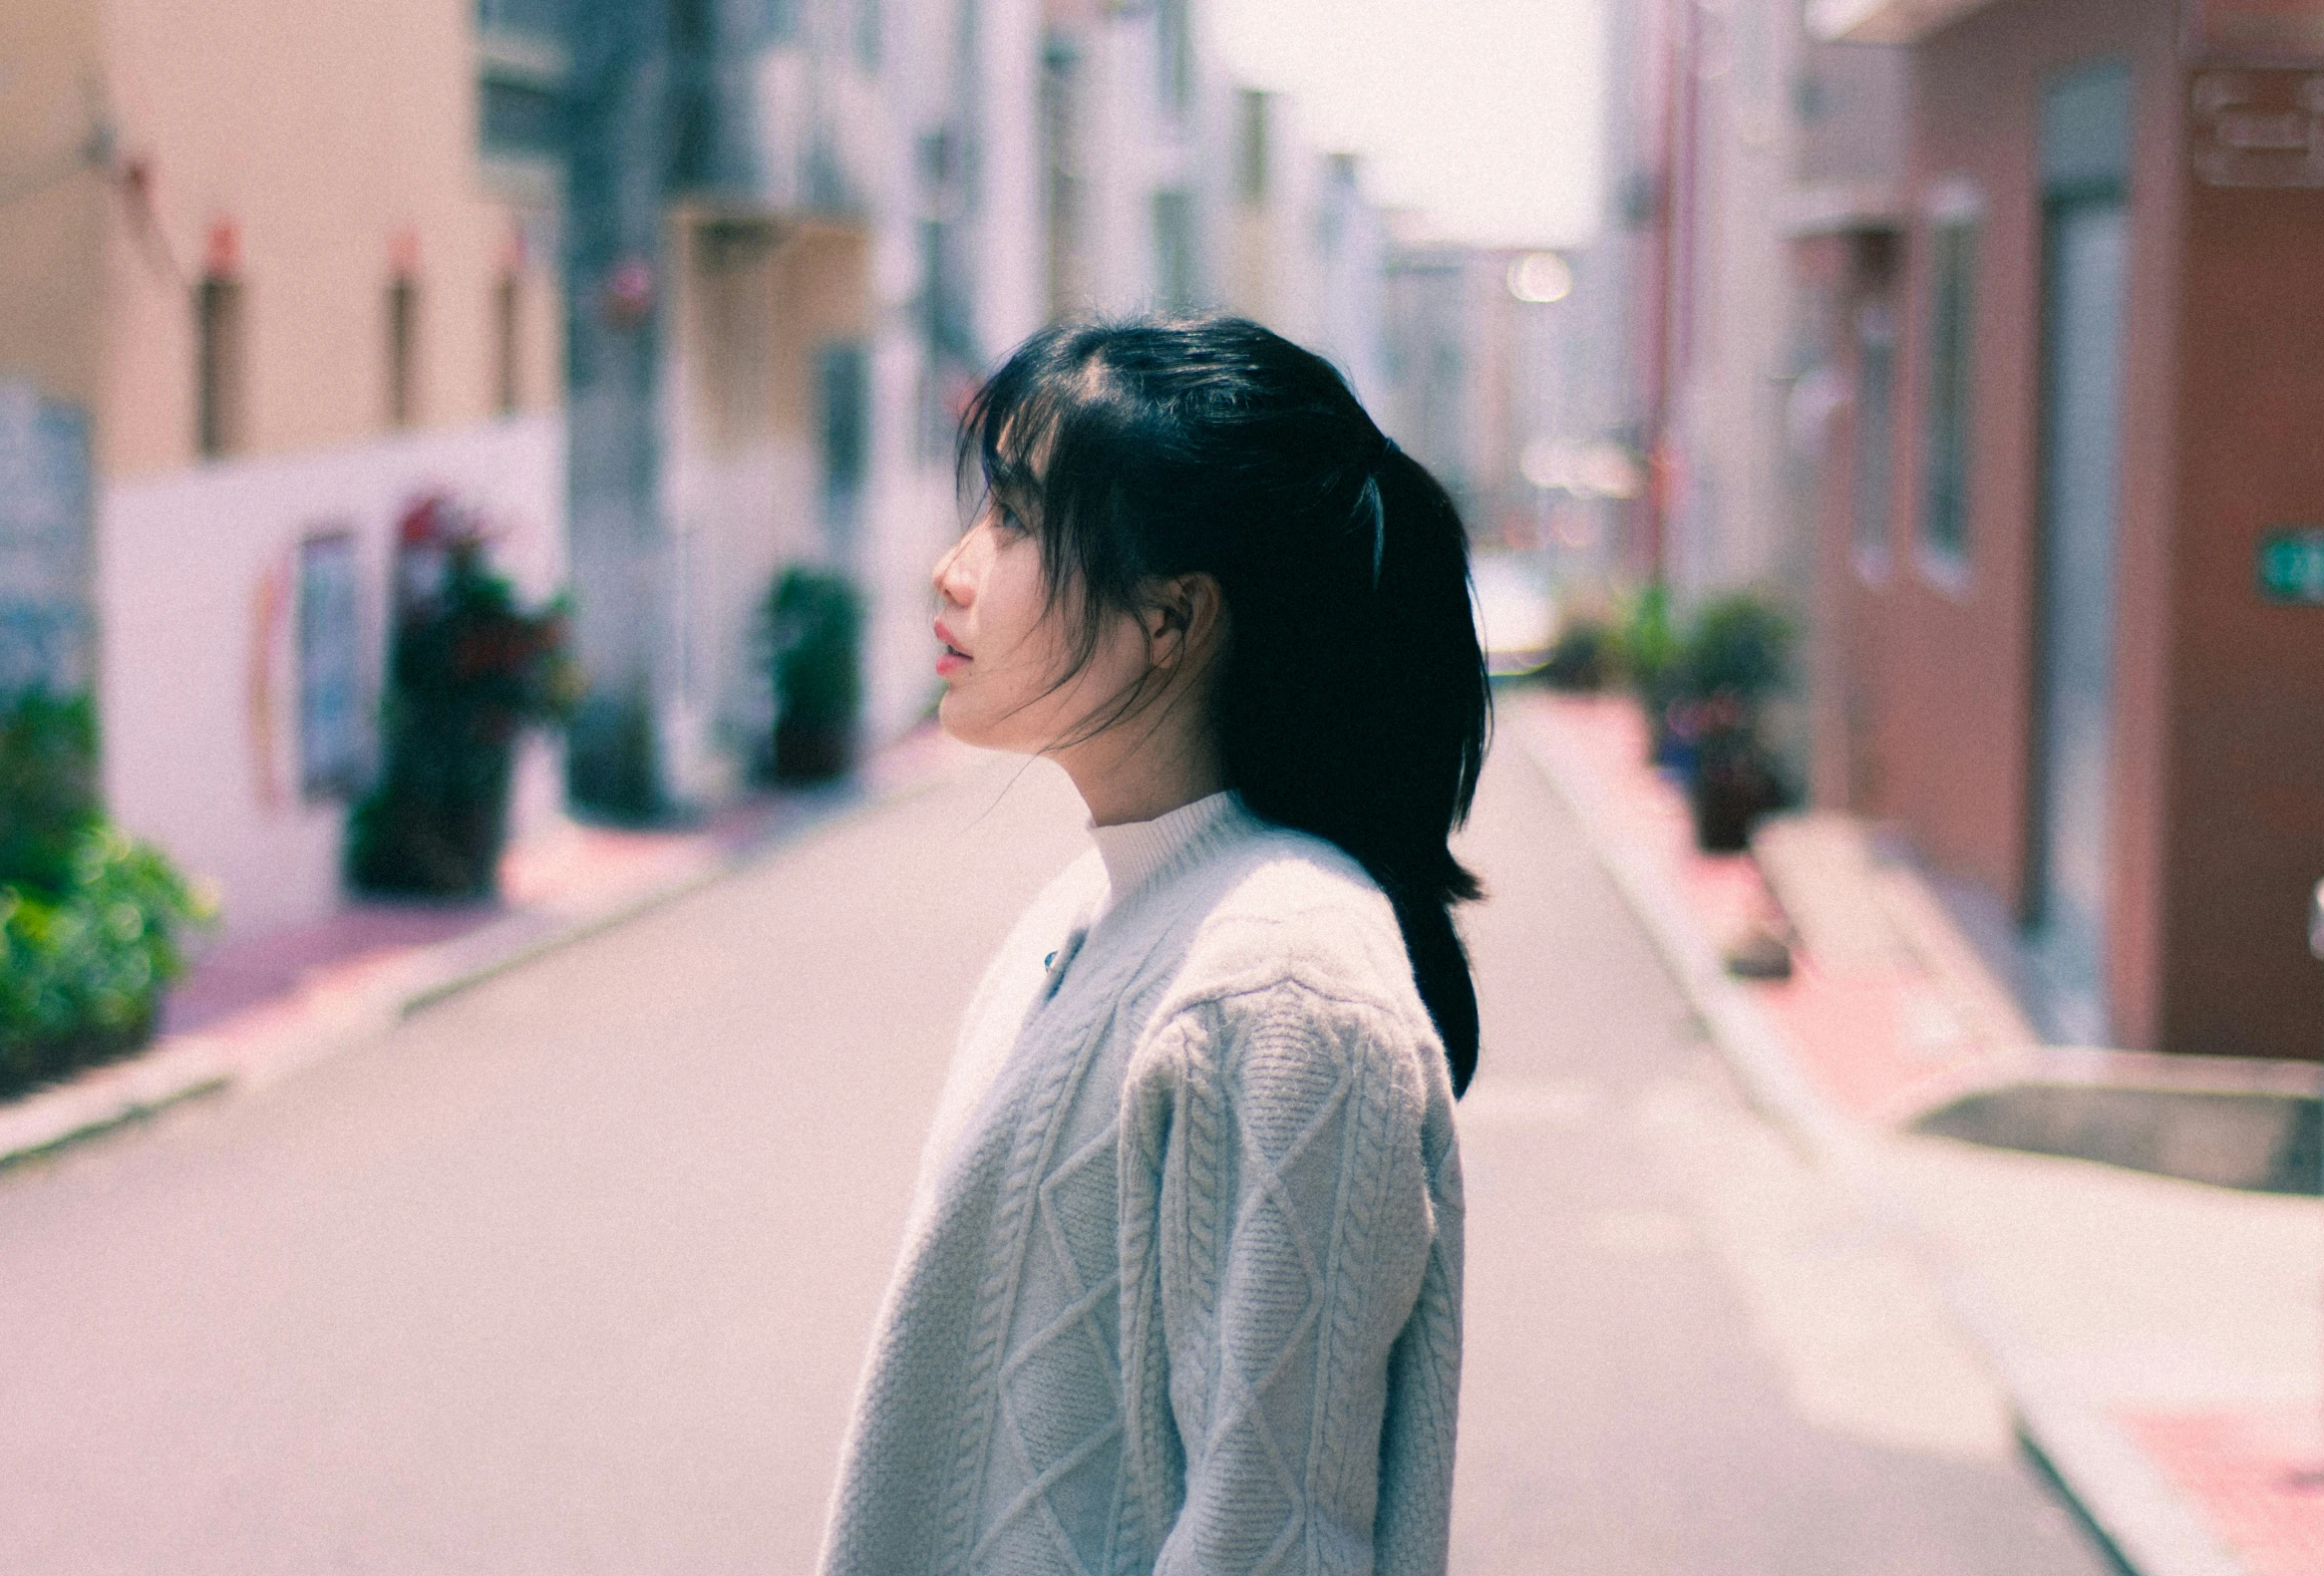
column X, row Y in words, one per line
column 2160, row 1339
column 251, row 1011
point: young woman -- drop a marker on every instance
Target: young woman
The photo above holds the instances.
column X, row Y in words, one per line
column 1181, row 1288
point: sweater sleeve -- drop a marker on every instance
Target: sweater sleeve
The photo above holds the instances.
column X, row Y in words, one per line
column 1298, row 1237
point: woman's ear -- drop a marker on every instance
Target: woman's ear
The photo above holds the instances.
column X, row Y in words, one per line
column 1182, row 618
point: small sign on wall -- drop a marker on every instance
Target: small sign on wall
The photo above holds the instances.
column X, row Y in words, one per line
column 2258, row 129
column 2291, row 565
column 46, row 556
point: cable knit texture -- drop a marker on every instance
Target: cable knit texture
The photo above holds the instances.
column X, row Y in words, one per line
column 1182, row 1286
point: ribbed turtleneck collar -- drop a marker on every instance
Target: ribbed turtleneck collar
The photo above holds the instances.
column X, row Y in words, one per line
column 1136, row 850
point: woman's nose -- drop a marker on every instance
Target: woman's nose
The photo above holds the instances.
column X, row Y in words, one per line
column 950, row 584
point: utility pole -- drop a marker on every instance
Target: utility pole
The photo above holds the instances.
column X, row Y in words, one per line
column 618, row 156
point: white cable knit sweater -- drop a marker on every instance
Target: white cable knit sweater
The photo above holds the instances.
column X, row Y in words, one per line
column 1182, row 1286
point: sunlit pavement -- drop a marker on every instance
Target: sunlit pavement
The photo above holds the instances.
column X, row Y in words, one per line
column 573, row 1272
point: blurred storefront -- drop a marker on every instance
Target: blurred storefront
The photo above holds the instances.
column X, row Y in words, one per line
column 2071, row 512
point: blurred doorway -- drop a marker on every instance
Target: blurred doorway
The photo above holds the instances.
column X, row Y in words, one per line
column 2084, row 269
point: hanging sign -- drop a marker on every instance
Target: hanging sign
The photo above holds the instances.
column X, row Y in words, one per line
column 2291, row 565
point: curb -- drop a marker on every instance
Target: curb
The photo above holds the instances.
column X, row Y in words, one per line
column 318, row 1025
column 2142, row 1522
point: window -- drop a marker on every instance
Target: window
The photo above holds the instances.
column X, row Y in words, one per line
column 403, row 336
column 1173, row 250
column 843, row 379
column 508, row 343
column 549, row 17
column 1875, row 437
column 519, row 118
column 1251, row 147
column 1061, row 170
column 330, row 739
column 218, row 366
column 1951, row 327
column 1173, row 57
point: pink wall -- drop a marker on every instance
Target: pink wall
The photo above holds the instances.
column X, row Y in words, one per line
column 1950, row 659
column 199, row 697
column 2245, row 729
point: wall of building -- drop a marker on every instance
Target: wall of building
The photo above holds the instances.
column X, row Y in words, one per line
column 1847, row 279
column 59, row 202
column 2240, row 748
column 312, row 154
column 1952, row 738
column 1731, row 346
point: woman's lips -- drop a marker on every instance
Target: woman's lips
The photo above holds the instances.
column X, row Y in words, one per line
column 950, row 660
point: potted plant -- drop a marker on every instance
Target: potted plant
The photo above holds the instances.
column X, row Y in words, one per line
column 1736, row 658
column 467, row 670
column 813, row 627
column 91, row 922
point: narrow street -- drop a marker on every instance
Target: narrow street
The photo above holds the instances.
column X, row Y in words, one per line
column 573, row 1273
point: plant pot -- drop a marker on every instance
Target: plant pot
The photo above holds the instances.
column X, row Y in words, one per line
column 1731, row 790
column 437, row 826
column 811, row 751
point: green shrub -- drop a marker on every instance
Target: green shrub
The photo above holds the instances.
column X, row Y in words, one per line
column 83, row 965
column 1740, row 647
column 813, row 628
column 48, row 787
column 1646, row 644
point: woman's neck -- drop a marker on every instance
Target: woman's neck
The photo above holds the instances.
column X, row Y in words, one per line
column 1131, row 774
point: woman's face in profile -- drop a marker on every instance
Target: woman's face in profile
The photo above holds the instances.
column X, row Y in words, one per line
column 1007, row 652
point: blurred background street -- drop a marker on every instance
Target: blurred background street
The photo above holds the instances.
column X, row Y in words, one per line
column 469, row 474
column 573, row 1272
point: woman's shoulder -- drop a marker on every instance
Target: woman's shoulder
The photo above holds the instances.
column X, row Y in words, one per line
column 1291, row 918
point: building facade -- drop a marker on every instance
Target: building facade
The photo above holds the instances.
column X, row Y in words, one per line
column 267, row 287
column 2085, row 582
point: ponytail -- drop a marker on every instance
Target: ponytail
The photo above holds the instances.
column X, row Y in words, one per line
column 1357, row 709
column 1352, row 702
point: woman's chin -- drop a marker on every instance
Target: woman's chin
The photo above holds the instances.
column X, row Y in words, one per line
column 959, row 719
column 971, row 724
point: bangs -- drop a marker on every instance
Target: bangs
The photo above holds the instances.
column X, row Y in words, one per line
column 1047, row 440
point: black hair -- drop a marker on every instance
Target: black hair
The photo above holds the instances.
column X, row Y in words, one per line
column 1352, row 700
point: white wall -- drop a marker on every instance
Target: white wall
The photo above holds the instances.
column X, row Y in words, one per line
column 197, row 631
column 1729, row 525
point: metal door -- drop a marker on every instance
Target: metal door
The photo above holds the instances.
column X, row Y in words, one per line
column 2085, row 268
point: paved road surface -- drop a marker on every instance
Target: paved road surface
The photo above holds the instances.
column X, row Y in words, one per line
column 572, row 1274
